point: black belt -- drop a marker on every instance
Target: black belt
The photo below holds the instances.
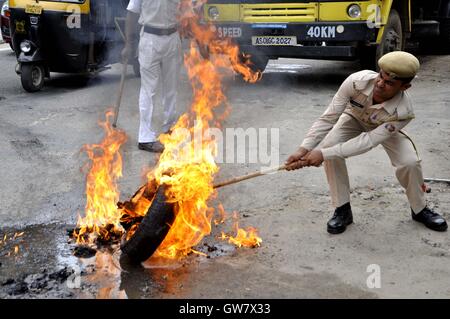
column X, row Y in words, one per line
column 158, row 31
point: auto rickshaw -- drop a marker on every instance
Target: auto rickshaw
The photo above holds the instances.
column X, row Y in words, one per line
column 67, row 36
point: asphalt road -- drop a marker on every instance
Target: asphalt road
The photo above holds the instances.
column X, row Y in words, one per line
column 42, row 191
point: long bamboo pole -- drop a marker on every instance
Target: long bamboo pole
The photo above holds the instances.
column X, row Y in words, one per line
column 249, row 176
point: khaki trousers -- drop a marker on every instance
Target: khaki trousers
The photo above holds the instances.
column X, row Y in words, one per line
column 400, row 150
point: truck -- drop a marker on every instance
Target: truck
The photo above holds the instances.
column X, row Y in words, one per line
column 329, row 30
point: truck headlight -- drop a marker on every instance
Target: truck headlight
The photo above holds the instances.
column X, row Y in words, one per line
column 354, row 11
column 25, row 46
column 213, row 13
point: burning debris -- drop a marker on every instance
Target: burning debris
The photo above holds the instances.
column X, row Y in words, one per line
column 243, row 238
column 11, row 240
column 102, row 219
column 84, row 252
column 169, row 215
column 39, row 283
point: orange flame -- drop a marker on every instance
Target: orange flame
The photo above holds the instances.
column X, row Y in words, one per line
column 101, row 213
column 4, row 240
column 243, row 238
column 187, row 163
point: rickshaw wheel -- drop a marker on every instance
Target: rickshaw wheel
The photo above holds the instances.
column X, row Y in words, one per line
column 32, row 77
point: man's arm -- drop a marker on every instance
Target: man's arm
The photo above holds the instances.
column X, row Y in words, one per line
column 365, row 141
column 322, row 126
column 355, row 146
column 296, row 160
column 325, row 123
column 131, row 27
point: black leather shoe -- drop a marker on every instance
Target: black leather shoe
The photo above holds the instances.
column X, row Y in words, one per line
column 155, row 147
column 342, row 217
column 430, row 219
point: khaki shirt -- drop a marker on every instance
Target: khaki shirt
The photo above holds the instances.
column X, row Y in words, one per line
column 156, row 13
column 380, row 121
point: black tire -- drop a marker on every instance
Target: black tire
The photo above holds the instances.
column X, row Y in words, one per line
column 393, row 40
column 153, row 229
column 32, row 77
column 258, row 62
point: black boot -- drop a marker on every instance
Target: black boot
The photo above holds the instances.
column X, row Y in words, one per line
column 342, row 217
column 430, row 219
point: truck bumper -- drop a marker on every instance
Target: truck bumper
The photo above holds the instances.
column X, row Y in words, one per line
column 319, row 40
column 306, row 52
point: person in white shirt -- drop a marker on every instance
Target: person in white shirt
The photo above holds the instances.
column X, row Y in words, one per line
column 159, row 58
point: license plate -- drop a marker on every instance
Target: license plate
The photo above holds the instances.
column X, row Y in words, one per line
column 274, row 40
column 33, row 9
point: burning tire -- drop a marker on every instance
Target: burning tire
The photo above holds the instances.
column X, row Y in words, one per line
column 153, row 229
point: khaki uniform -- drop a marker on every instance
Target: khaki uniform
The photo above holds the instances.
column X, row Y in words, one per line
column 352, row 125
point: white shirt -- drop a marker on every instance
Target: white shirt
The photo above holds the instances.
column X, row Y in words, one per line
column 156, row 13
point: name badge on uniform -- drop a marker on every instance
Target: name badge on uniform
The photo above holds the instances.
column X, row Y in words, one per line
column 354, row 103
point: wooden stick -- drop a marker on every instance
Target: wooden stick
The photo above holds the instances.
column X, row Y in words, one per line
column 119, row 96
column 438, row 180
column 252, row 175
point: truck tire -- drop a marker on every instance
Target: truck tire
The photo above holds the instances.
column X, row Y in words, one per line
column 393, row 40
column 445, row 33
column 153, row 229
column 32, row 77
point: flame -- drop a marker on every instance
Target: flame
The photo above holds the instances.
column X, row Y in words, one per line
column 17, row 235
column 187, row 164
column 222, row 214
column 243, row 238
column 4, row 240
column 102, row 217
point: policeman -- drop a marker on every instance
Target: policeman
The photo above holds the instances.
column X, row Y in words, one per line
column 369, row 109
column 159, row 58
